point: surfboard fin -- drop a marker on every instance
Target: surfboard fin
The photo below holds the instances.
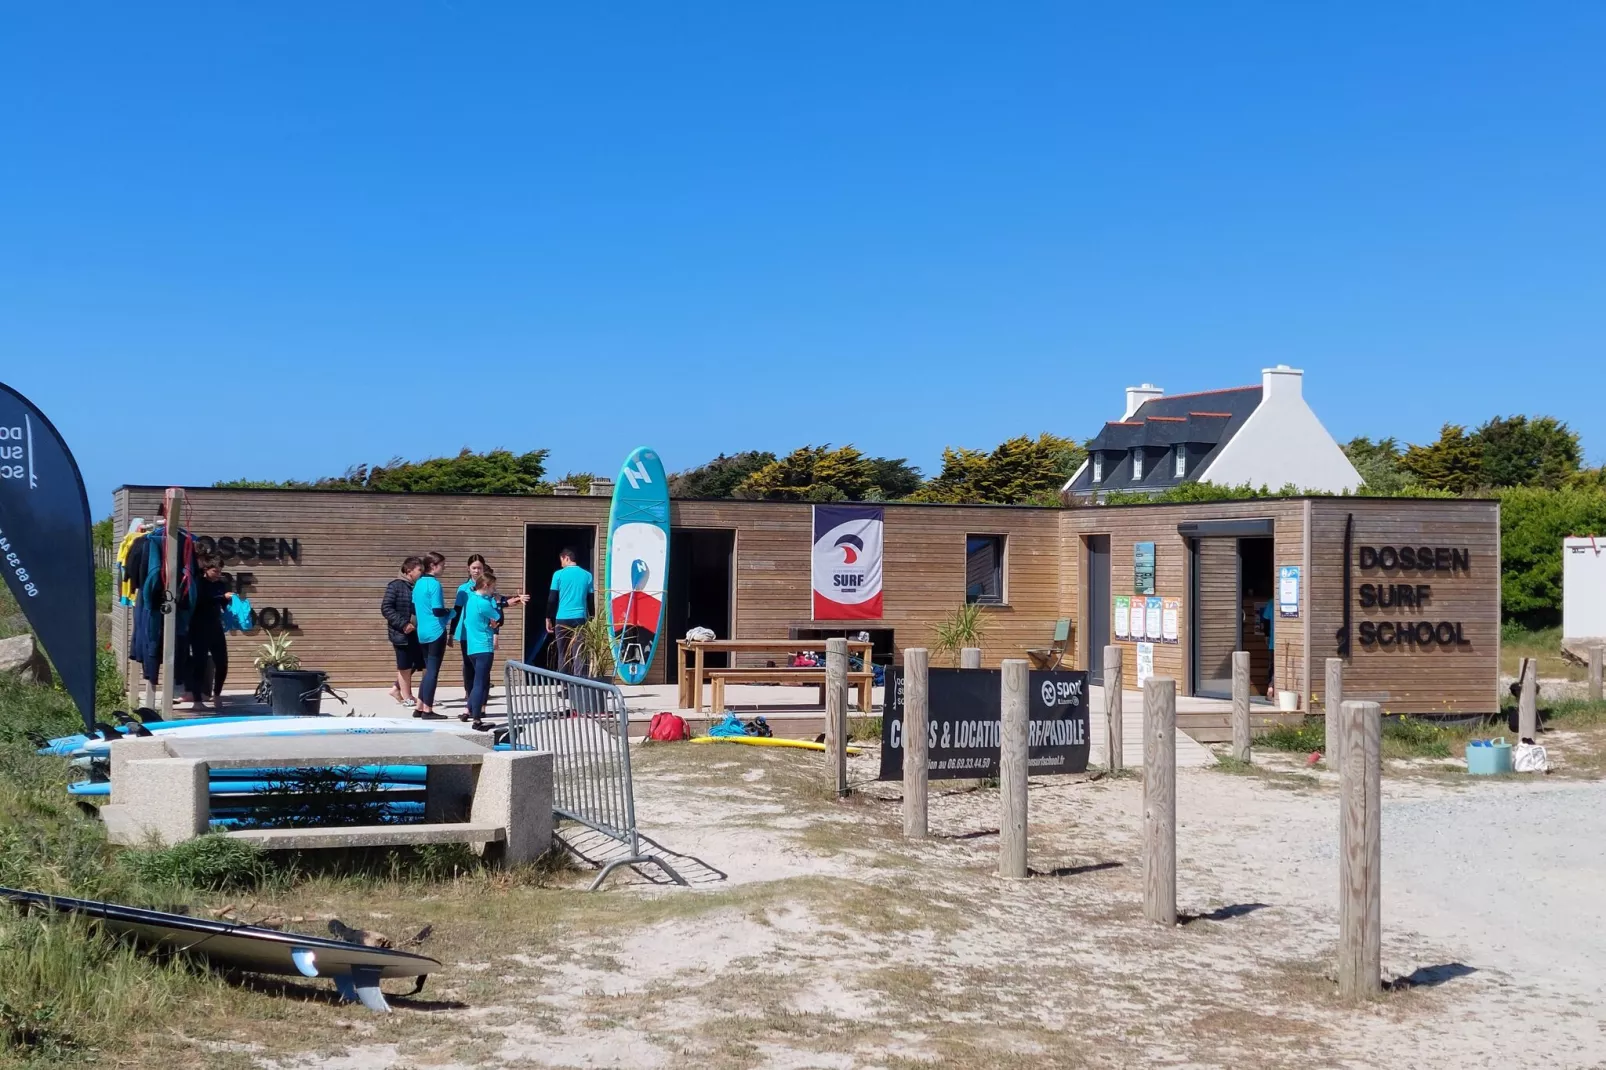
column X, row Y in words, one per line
column 362, row 986
column 306, row 961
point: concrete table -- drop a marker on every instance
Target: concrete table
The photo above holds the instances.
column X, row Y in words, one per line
column 502, row 799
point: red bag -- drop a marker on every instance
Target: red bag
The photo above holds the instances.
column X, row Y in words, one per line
column 667, row 728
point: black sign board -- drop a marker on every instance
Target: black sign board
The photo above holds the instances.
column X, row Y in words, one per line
column 964, row 723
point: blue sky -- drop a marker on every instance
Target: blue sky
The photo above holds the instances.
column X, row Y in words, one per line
column 340, row 232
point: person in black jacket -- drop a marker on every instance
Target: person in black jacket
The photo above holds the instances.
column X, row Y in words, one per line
column 397, row 606
column 206, row 633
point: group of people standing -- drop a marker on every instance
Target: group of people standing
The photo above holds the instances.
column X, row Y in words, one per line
column 420, row 625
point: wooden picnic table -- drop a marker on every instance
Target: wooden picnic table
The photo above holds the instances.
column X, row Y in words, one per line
column 695, row 675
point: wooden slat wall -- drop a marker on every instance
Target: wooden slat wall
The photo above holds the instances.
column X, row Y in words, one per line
column 1128, row 525
column 1218, row 594
column 1411, row 680
column 351, row 545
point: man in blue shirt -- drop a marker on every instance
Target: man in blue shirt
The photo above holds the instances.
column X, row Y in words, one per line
column 568, row 605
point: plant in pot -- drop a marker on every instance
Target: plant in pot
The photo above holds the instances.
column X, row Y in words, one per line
column 596, row 649
column 275, row 656
column 966, row 626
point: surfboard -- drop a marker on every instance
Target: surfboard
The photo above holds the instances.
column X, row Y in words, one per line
column 638, row 562
column 355, row 968
column 300, row 726
column 769, row 741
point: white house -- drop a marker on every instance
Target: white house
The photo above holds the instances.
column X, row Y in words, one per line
column 1265, row 436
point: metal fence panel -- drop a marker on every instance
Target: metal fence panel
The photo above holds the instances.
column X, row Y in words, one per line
column 585, row 726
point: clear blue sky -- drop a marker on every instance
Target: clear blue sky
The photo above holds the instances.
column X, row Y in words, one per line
column 337, row 232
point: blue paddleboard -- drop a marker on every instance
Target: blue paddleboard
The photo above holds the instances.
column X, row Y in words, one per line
column 638, row 562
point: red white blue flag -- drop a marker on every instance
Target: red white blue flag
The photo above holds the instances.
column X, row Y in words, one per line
column 846, row 570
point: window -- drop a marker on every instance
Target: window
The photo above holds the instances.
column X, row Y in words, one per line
column 1182, row 460
column 1098, row 468
column 1137, row 463
column 984, row 569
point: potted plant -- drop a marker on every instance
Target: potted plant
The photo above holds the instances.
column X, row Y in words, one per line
column 965, row 627
column 596, row 648
column 280, row 666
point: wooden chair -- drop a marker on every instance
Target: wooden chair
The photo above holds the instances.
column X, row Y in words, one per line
column 1051, row 657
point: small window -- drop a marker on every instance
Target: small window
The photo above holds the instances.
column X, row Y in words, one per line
column 1182, row 460
column 984, row 569
column 1098, row 468
column 1137, row 464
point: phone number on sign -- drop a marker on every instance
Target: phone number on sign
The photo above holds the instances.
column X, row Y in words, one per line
column 14, row 563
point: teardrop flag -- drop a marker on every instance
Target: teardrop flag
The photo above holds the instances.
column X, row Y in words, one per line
column 46, row 549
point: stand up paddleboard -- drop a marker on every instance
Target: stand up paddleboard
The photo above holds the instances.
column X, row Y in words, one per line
column 638, row 562
column 355, row 969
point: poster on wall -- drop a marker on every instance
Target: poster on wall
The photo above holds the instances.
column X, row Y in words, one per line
column 1135, row 624
column 1145, row 662
column 845, row 572
column 1170, row 618
column 1152, row 612
column 1143, row 568
column 1288, row 591
column 45, row 547
column 1123, row 606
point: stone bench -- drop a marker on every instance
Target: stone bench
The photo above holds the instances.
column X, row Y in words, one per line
column 501, row 799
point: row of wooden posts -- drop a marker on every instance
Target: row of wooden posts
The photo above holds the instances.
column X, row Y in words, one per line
column 1354, row 736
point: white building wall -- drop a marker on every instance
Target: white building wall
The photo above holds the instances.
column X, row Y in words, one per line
column 1583, row 587
column 1283, row 442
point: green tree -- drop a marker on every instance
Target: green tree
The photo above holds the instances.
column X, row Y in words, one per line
column 1453, row 463
column 1520, row 452
column 894, row 478
column 720, row 477
column 813, row 474
column 492, row 472
column 580, row 481
column 1379, row 464
column 101, row 534
column 1533, row 522
column 1017, row 471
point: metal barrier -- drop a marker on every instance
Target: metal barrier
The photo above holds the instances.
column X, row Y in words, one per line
column 585, row 726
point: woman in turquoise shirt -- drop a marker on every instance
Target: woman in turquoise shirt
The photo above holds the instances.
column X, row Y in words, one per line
column 481, row 618
column 430, row 609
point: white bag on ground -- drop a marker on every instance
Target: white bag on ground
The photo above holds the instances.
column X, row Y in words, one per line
column 1529, row 758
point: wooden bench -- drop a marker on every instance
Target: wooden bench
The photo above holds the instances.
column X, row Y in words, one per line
column 863, row 681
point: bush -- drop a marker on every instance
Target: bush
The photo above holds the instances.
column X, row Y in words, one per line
column 1311, row 735
column 212, row 863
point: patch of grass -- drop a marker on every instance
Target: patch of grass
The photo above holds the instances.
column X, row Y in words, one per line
column 864, row 729
column 1404, row 737
column 213, row 863
column 1517, row 642
column 1309, row 735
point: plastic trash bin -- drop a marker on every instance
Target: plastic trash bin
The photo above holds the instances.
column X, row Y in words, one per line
column 1488, row 757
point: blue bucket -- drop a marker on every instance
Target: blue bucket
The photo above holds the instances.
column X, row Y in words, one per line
column 1488, row 757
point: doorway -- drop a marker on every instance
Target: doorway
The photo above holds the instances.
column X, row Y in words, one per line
column 1098, row 605
column 699, row 593
column 1232, row 585
column 542, row 544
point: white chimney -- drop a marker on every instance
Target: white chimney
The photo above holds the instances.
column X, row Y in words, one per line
column 1280, row 382
column 1137, row 395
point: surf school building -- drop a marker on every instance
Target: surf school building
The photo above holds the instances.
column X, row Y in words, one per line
column 1406, row 591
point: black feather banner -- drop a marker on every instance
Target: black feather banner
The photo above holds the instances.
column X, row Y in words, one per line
column 46, row 550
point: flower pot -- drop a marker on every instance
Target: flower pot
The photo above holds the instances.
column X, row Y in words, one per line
column 295, row 692
column 1287, row 700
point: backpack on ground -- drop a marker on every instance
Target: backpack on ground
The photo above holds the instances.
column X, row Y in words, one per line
column 667, row 728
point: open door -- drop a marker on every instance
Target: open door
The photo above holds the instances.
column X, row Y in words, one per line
column 700, row 583
column 542, row 544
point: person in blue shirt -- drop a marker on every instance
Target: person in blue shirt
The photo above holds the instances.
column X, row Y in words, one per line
column 476, row 568
column 430, row 610
column 1269, row 617
column 568, row 606
column 481, row 618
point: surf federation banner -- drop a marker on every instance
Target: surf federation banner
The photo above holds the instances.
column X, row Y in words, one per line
column 965, row 720
column 45, row 547
column 845, row 572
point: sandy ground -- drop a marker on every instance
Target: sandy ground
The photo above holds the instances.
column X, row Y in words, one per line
column 835, row 944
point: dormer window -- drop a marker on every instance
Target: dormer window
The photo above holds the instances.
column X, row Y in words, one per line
column 1098, row 468
column 1137, row 463
column 1181, row 460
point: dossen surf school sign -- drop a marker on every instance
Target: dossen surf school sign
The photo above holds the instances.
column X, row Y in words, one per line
column 846, row 566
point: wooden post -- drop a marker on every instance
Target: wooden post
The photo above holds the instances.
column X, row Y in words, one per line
column 1240, row 705
column 1013, row 736
column 170, row 566
column 1160, row 800
column 1330, row 709
column 1597, row 654
column 1528, row 700
column 916, row 716
column 1360, row 851
column 970, row 657
column 1114, row 708
column 836, row 713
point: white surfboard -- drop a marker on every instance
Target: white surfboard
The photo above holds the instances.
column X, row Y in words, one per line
column 299, row 726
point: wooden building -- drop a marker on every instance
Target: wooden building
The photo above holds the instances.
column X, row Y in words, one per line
column 1421, row 638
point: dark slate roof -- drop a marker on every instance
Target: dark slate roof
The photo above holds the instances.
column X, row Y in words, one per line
column 1203, row 422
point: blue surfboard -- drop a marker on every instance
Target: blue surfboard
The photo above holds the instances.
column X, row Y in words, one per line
column 637, row 571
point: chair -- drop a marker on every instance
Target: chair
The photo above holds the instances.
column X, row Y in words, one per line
column 1051, row 657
